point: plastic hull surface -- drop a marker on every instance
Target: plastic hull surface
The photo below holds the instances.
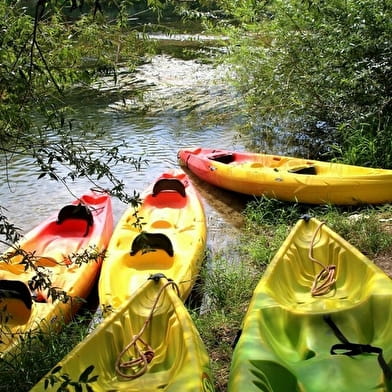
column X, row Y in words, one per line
column 289, row 340
column 288, row 178
column 179, row 361
column 54, row 244
column 174, row 227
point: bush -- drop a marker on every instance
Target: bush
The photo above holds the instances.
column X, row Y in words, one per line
column 323, row 67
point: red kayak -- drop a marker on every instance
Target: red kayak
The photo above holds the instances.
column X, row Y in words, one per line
column 64, row 254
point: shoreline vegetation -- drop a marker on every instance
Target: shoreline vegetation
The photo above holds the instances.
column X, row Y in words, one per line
column 220, row 297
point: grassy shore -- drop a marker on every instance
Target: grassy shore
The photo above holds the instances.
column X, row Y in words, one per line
column 225, row 286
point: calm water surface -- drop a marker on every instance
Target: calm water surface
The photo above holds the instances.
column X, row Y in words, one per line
column 156, row 135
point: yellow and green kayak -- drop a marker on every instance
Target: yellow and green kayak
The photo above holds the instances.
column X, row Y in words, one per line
column 166, row 233
column 149, row 344
column 319, row 320
column 289, row 178
column 44, row 277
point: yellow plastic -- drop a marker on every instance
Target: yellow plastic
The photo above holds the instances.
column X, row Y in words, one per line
column 288, row 178
column 52, row 244
column 179, row 218
column 179, row 364
column 286, row 342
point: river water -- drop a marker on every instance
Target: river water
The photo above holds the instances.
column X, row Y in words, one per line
column 172, row 110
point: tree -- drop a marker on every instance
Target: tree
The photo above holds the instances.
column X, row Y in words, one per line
column 319, row 67
column 46, row 50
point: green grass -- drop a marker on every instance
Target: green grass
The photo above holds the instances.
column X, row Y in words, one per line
column 38, row 353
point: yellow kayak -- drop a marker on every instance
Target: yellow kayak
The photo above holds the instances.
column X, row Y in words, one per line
column 149, row 344
column 319, row 320
column 166, row 233
column 288, row 178
column 53, row 250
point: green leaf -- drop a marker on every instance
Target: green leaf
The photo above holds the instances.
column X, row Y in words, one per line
column 84, row 376
column 55, row 369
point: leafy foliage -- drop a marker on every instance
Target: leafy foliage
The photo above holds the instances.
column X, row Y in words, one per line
column 39, row 352
column 46, row 49
column 43, row 55
column 66, row 382
column 317, row 67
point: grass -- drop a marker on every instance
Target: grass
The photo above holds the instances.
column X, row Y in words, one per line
column 38, row 353
column 225, row 286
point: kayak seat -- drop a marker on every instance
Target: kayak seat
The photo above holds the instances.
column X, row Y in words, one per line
column 15, row 302
column 166, row 200
column 222, row 158
column 169, row 184
column 151, row 251
column 304, row 170
column 147, row 242
column 79, row 212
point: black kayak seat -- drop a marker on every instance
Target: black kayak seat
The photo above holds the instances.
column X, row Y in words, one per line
column 149, row 242
column 169, row 184
column 15, row 302
column 76, row 211
column 222, row 158
column 304, row 170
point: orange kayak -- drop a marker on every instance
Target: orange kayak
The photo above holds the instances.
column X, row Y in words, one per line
column 289, row 178
column 47, row 293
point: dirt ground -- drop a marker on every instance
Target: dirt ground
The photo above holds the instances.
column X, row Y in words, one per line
column 384, row 261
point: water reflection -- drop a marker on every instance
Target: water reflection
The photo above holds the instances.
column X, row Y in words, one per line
column 156, row 138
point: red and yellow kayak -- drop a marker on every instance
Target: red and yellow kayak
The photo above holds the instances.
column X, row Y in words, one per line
column 288, row 178
column 48, row 292
column 165, row 234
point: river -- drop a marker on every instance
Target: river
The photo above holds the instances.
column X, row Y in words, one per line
column 173, row 109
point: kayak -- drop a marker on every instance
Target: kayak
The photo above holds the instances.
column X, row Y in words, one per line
column 166, row 233
column 289, row 179
column 319, row 320
column 150, row 343
column 48, row 293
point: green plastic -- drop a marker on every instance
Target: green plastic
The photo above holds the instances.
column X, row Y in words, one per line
column 286, row 342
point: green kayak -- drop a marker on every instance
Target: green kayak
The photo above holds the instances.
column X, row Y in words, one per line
column 320, row 320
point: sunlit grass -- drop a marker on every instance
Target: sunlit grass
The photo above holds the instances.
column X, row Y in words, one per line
column 38, row 353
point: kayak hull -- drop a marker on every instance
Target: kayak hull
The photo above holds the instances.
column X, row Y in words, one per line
column 288, row 178
column 172, row 216
column 179, row 360
column 289, row 339
column 53, row 244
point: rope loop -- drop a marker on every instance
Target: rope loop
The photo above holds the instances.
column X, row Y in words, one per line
column 142, row 356
column 326, row 278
